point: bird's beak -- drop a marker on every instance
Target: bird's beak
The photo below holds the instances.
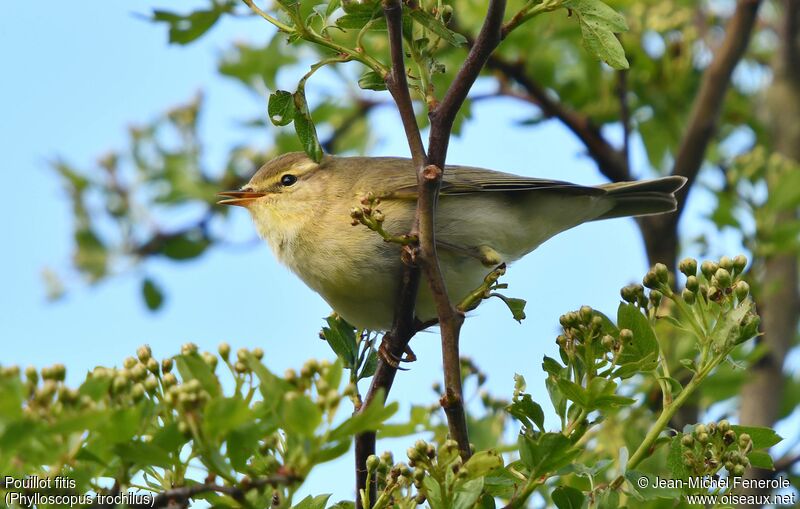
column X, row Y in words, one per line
column 240, row 198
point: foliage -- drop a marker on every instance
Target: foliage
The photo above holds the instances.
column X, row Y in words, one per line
column 254, row 436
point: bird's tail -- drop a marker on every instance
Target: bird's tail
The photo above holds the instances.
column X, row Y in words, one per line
column 644, row 197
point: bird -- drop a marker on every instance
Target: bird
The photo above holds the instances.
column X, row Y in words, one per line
column 304, row 210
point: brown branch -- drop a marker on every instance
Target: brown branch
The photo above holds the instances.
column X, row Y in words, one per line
column 708, row 103
column 442, row 118
column 403, row 328
column 610, row 161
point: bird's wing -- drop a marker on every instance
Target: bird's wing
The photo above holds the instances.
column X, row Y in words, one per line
column 465, row 180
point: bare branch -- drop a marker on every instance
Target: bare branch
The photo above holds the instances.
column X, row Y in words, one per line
column 708, row 103
column 610, row 161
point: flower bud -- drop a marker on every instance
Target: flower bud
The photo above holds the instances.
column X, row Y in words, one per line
column 137, row 392
column 662, row 273
column 129, row 362
column 688, row 296
column 151, row 384
column 692, row 284
column 152, row 365
column 240, row 367
column 703, row 438
column 708, row 268
column 31, row 374
column 651, row 280
column 607, row 342
column 138, row 372
column 738, row 470
column 723, row 278
column 188, row 348
column 742, row 290
column 625, row 335
column 700, row 428
column 655, row 297
column 169, row 380
column 144, row 353
column 687, row 441
column 745, row 442
column 210, row 360
column 739, row 263
column 729, row 437
column 726, row 263
column 166, row 364
column 224, row 350
column 258, row 353
column 241, row 354
column 586, row 313
column 688, row 266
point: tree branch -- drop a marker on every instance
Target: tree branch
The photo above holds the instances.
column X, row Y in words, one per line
column 403, row 328
column 429, row 182
column 610, row 161
column 708, row 103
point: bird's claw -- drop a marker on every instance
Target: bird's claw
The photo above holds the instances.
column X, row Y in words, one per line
column 393, row 360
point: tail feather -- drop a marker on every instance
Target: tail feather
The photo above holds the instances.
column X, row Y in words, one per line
column 642, row 198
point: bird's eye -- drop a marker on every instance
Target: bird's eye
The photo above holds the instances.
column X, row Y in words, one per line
column 288, row 179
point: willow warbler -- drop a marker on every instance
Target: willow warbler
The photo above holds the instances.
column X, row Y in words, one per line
column 484, row 218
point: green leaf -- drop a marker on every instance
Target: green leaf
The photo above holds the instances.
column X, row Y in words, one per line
column 152, row 294
column 598, row 24
column 341, row 336
column 370, row 365
column 761, row 459
column 300, row 414
column 567, row 497
column 481, row 463
column 368, row 419
column 331, row 451
column 371, row 80
column 574, row 392
column 185, row 29
column 193, row 367
column 280, row 108
column 552, row 366
column 304, row 127
column 517, row 307
column 184, row 247
column 762, row 437
column 467, row 494
column 225, row 414
column 524, row 409
column 641, row 352
column 310, row 502
column 437, row 27
column 242, row 442
column 271, row 387
column 546, row 453
column 144, row 453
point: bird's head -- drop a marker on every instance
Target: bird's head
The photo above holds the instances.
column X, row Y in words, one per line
column 283, row 195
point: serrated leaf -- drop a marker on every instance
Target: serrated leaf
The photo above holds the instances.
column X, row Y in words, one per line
column 280, row 108
column 762, row 437
column 598, row 23
column 642, row 349
column 153, row 297
column 437, row 27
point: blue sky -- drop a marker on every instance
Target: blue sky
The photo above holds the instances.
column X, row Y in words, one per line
column 76, row 74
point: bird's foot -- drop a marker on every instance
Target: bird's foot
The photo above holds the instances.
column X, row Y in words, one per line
column 393, row 360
